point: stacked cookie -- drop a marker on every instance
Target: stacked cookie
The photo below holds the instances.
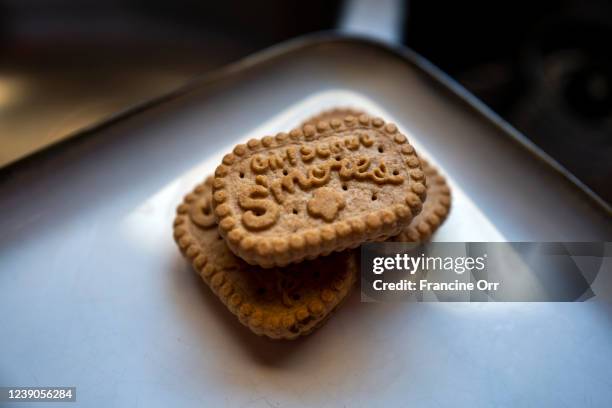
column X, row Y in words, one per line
column 274, row 233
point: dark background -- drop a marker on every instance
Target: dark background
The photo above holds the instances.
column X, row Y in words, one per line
column 546, row 67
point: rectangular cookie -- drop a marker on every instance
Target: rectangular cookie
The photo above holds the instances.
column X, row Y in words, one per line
column 317, row 189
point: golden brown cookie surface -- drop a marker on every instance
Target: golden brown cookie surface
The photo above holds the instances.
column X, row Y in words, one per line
column 278, row 303
column 316, row 190
column 437, row 204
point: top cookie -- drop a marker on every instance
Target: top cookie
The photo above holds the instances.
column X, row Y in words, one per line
column 317, row 189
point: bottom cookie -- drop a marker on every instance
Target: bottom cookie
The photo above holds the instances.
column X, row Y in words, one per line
column 435, row 208
column 280, row 303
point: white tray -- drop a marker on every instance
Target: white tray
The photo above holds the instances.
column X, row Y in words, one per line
column 94, row 293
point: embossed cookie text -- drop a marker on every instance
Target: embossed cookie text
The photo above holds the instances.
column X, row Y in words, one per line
column 280, row 172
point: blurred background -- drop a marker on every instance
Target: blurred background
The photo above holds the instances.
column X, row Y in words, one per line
column 546, row 66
